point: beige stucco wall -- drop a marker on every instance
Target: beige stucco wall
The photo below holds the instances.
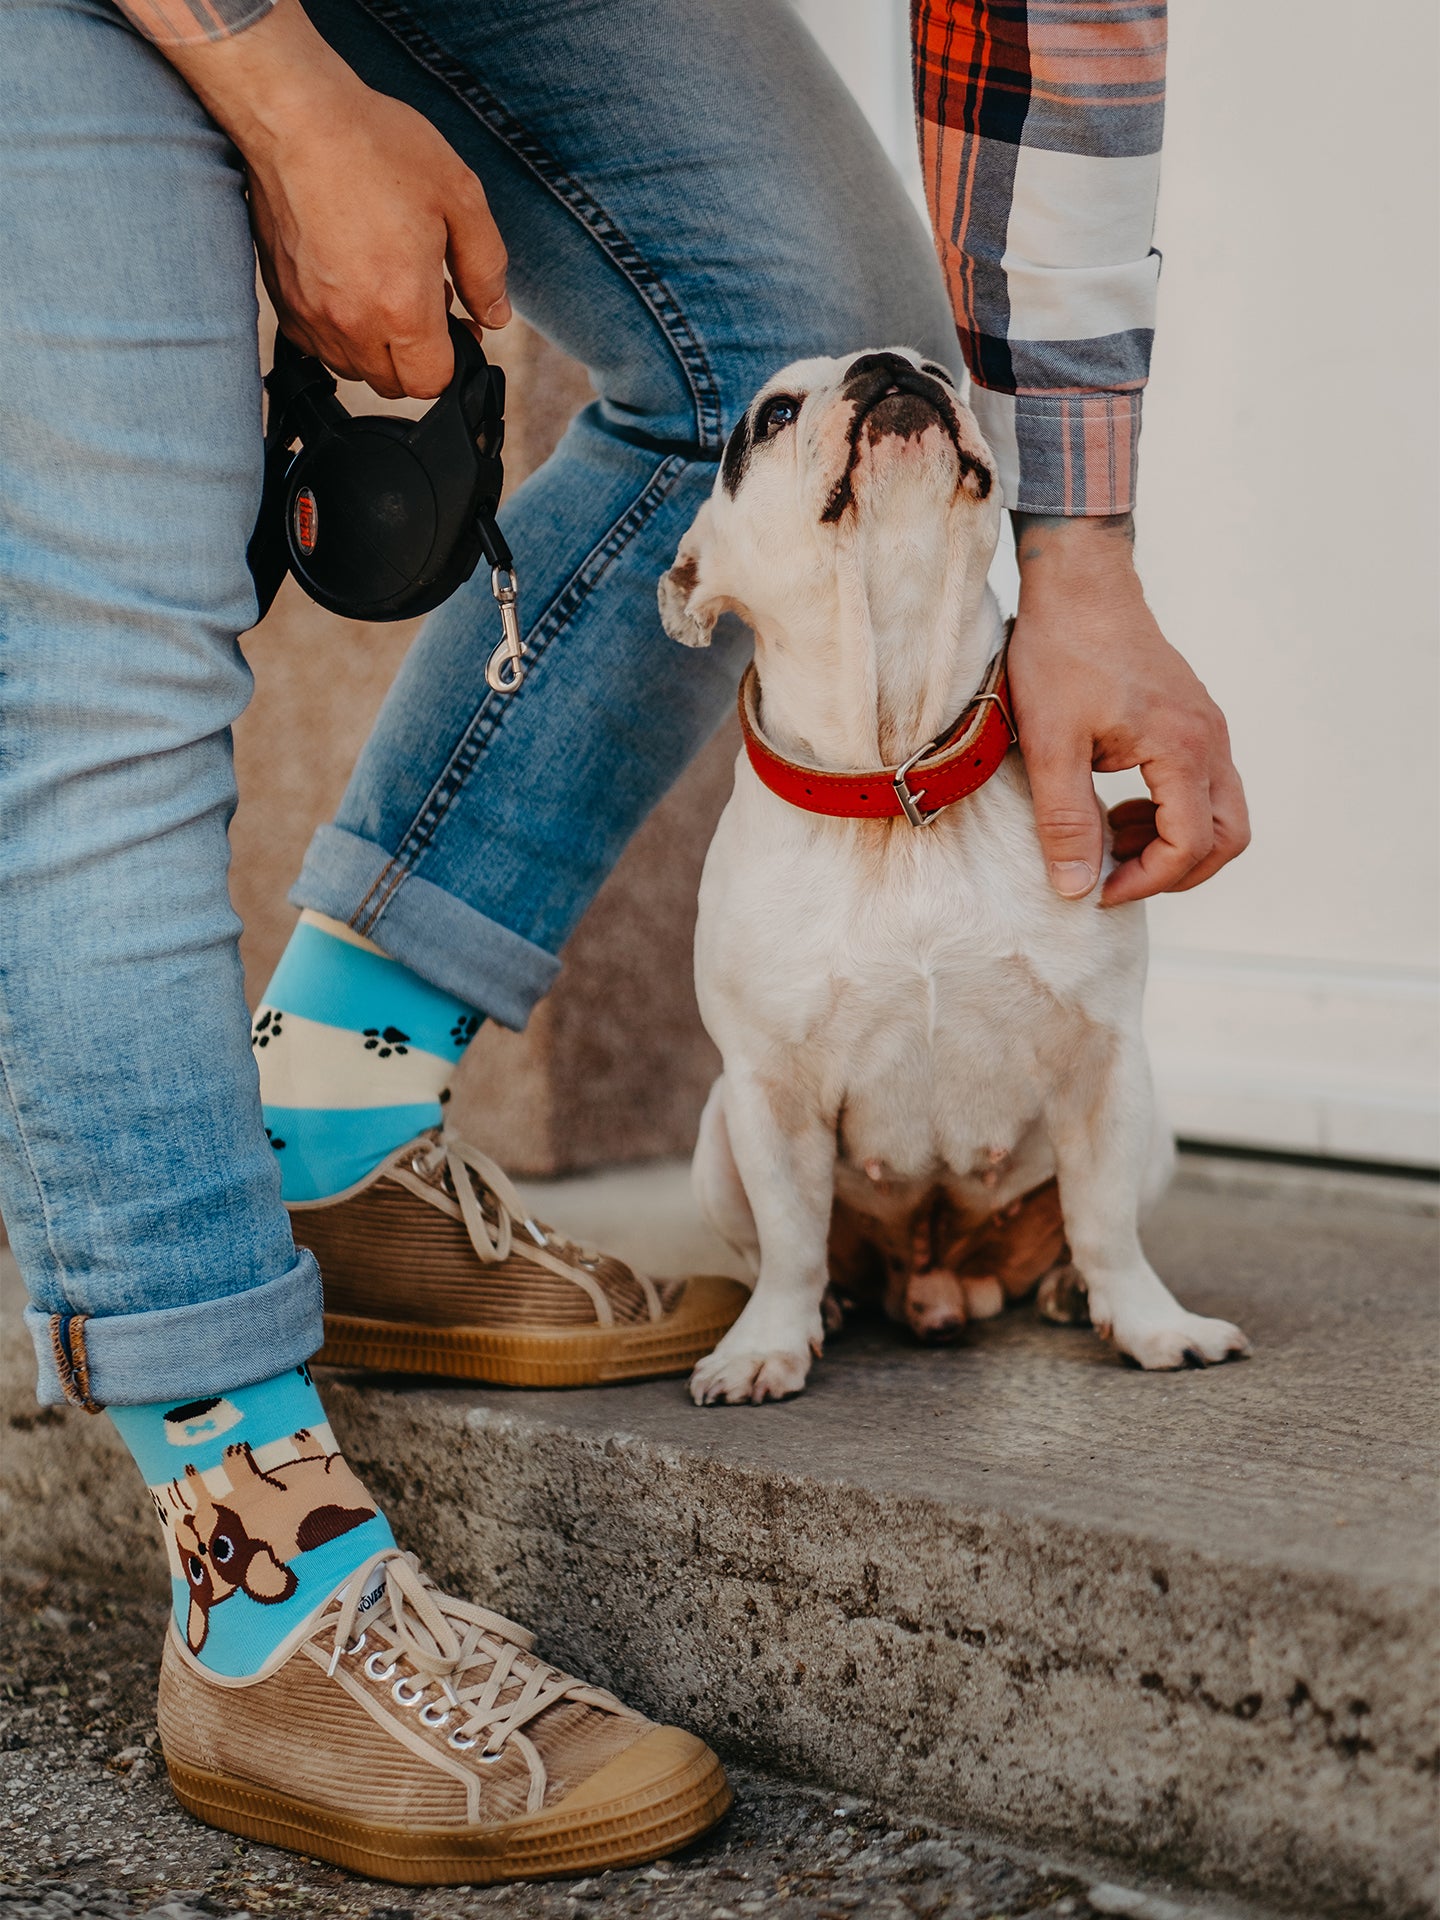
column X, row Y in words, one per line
column 614, row 1066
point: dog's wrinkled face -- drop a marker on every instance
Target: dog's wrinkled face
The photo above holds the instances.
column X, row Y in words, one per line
column 219, row 1558
column 834, row 459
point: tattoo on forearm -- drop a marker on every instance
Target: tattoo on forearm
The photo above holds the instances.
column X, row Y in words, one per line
column 1034, row 532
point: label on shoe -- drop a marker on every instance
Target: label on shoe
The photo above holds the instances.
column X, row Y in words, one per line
column 372, row 1596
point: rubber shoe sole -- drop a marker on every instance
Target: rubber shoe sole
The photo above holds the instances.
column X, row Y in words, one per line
column 562, row 1357
column 653, row 1798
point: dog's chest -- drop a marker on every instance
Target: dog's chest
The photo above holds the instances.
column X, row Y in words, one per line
column 922, row 986
column 937, row 1067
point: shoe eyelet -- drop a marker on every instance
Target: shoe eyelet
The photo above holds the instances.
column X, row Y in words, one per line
column 358, row 1647
column 430, row 1718
column 409, row 1690
column 377, row 1671
column 463, row 1742
column 489, row 1758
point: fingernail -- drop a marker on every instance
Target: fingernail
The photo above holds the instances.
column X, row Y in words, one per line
column 1071, row 878
column 497, row 315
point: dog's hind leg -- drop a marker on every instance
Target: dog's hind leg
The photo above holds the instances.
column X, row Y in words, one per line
column 715, row 1181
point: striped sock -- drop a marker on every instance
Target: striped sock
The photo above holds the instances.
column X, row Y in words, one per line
column 262, row 1517
column 355, row 1053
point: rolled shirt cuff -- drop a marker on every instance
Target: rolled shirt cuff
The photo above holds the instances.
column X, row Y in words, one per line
column 1072, row 454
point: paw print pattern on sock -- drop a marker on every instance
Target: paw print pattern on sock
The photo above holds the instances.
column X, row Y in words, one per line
column 465, row 1029
column 267, row 1028
column 383, row 1041
column 276, row 1142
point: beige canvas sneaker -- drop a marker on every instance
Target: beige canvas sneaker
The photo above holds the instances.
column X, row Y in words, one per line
column 433, row 1265
column 413, row 1737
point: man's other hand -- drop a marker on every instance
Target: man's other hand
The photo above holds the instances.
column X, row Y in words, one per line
column 1097, row 686
column 358, row 206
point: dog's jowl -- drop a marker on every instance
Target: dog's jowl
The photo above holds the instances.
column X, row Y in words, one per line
column 935, row 1090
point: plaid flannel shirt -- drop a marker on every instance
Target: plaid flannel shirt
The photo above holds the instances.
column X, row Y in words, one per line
column 1040, row 125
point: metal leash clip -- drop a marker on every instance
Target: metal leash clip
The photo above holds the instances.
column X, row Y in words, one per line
column 505, row 668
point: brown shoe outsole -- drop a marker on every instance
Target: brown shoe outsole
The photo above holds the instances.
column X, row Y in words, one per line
column 657, row 1795
column 546, row 1357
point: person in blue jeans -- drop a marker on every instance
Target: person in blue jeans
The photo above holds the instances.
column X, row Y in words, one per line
column 689, row 199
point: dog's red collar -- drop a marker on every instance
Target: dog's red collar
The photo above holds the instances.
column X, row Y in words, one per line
column 941, row 772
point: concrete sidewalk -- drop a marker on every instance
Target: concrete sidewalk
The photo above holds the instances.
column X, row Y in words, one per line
column 1187, row 1621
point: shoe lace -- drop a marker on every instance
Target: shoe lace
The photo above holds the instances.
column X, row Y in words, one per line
column 476, row 1180
column 481, row 1663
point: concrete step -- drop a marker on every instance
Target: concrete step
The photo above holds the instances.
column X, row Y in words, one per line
column 1186, row 1621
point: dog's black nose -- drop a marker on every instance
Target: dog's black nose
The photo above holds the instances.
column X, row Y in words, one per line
column 875, row 376
column 893, row 365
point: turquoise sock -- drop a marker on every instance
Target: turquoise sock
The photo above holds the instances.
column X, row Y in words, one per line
column 355, row 1054
column 262, row 1517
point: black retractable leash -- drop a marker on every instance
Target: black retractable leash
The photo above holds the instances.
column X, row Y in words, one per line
column 381, row 518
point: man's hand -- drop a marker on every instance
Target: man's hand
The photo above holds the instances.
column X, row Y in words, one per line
column 1097, row 685
column 357, row 206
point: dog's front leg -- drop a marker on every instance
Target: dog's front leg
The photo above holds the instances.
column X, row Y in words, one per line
column 786, row 1161
column 1100, row 1121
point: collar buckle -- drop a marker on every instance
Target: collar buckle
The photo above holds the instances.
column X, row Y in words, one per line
column 909, row 802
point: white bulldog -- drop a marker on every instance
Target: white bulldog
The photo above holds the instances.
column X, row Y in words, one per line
column 908, row 1015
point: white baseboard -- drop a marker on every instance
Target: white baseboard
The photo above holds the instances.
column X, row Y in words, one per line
column 1305, row 1058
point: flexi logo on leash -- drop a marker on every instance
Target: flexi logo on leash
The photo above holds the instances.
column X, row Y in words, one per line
column 380, row 518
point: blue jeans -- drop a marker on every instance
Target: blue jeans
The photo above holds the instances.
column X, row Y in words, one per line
column 690, row 200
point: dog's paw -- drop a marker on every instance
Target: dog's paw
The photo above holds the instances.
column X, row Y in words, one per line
column 984, row 1296
column 1180, row 1340
column 737, row 1377
column 936, row 1306
column 1061, row 1297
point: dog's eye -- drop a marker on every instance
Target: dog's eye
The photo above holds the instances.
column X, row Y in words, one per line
column 781, row 410
column 197, row 1570
column 222, row 1549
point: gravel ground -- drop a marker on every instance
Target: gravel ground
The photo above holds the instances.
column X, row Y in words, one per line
column 89, row 1831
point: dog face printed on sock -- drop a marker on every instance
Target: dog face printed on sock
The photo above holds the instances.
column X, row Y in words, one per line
column 869, row 464
column 243, row 1538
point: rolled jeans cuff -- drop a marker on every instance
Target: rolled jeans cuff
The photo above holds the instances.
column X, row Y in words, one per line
column 179, row 1353
column 436, row 935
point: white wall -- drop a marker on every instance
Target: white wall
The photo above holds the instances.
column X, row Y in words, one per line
column 1287, row 539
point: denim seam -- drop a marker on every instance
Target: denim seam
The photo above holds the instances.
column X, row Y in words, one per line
column 602, row 226
column 489, row 716
column 42, row 1199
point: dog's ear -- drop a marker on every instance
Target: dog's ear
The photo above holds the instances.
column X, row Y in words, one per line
column 197, row 1623
column 687, row 612
column 268, row 1579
